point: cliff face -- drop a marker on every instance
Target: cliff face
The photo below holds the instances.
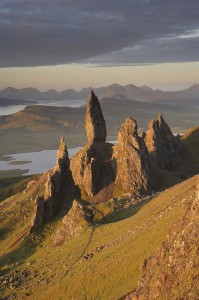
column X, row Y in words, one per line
column 131, row 160
column 164, row 148
column 172, row 271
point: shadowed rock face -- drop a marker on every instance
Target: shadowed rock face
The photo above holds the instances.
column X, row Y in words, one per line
column 95, row 123
column 164, row 148
column 172, row 271
column 74, row 222
column 131, row 161
column 59, row 183
column 38, row 218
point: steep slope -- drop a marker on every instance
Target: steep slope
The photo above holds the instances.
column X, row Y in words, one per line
column 191, row 144
column 172, row 271
column 105, row 260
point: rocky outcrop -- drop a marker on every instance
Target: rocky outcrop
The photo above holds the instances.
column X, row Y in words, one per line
column 131, row 163
column 164, row 148
column 91, row 166
column 95, row 123
column 59, row 189
column 172, row 271
column 60, row 184
column 77, row 219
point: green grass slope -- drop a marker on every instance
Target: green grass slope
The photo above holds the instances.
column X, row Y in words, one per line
column 33, row 267
column 191, row 144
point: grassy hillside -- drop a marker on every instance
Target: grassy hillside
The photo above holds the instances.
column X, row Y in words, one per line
column 34, row 267
column 191, row 143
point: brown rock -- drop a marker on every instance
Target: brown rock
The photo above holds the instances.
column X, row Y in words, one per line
column 59, row 184
column 130, row 160
column 59, row 189
column 164, row 148
column 95, row 123
column 91, row 167
column 74, row 222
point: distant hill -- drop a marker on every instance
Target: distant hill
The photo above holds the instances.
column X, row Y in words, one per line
column 39, row 127
column 142, row 93
column 8, row 102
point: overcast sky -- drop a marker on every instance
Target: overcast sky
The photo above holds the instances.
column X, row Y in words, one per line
column 35, row 33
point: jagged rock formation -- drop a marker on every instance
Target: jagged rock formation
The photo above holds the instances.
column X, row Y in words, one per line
column 95, row 123
column 164, row 148
column 91, row 166
column 130, row 165
column 59, row 183
column 131, row 161
column 172, row 271
column 59, row 188
column 76, row 219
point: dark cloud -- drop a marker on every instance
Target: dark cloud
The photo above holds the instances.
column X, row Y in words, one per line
column 49, row 32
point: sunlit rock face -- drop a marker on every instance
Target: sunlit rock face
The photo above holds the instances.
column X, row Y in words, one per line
column 131, row 161
column 164, row 148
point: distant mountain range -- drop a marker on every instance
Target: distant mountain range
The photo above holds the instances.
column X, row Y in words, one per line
column 189, row 96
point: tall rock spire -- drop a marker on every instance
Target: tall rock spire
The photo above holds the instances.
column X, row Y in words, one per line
column 62, row 160
column 95, row 123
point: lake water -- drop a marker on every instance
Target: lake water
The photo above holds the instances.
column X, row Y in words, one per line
column 35, row 162
column 62, row 103
column 39, row 161
column 8, row 110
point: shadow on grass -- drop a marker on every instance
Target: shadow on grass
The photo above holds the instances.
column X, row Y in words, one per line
column 18, row 255
column 4, row 232
column 124, row 213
